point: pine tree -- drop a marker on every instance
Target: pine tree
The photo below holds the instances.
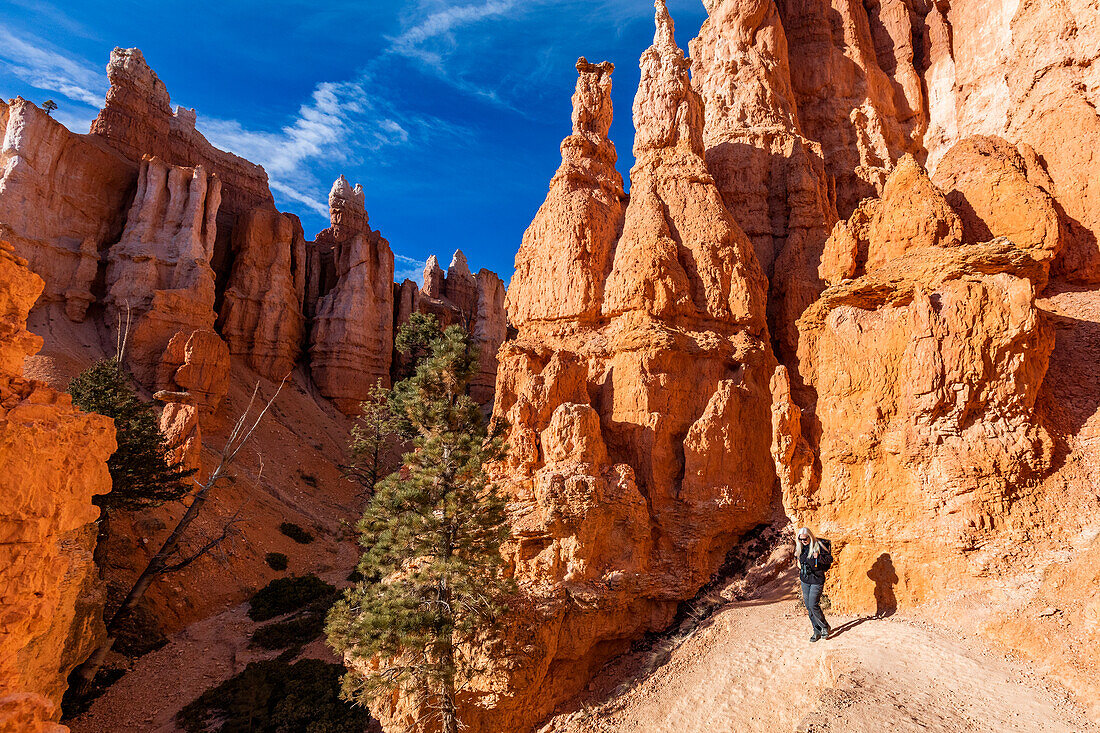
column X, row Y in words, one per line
column 374, row 439
column 49, row 105
column 141, row 474
column 431, row 536
column 414, row 343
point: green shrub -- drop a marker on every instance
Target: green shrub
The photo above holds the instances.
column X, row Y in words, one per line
column 290, row 634
column 273, row 697
column 276, row 560
column 284, row 595
column 296, row 533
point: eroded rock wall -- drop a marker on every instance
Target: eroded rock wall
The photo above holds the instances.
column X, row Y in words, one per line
column 261, row 314
column 351, row 344
column 631, row 391
column 771, row 177
column 53, row 460
column 63, row 200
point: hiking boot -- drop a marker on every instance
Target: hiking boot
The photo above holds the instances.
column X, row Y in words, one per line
column 815, row 637
column 826, row 635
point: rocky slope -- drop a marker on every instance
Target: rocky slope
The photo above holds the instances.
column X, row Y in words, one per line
column 143, row 227
column 854, row 285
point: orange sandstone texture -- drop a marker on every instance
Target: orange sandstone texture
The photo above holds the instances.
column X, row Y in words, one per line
column 352, row 340
column 634, row 391
column 771, row 177
column 53, row 460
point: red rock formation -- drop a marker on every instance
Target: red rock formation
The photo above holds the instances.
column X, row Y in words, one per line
column 352, row 340
column 458, row 297
column 771, row 177
column 995, row 77
column 53, row 459
column 997, row 193
column 196, row 363
column 159, row 272
column 865, row 117
column 138, row 120
column 926, row 372
column 490, row 328
column 912, row 214
column 633, row 462
column 261, row 315
column 62, row 200
column 582, row 214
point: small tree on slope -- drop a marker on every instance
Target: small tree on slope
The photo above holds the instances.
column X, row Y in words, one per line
column 141, row 475
column 432, row 534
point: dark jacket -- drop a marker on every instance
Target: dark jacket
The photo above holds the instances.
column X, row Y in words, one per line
column 812, row 569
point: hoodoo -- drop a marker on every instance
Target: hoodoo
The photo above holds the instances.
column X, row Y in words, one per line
column 853, row 284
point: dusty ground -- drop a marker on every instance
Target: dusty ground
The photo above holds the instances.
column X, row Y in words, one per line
column 205, row 654
column 751, row 668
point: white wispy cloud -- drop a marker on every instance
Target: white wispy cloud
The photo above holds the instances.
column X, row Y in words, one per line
column 343, row 122
column 408, row 268
column 34, row 61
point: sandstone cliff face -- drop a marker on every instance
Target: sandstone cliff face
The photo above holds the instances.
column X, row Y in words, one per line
column 771, row 177
column 62, row 200
column 261, row 316
column 53, row 459
column 351, row 344
column 926, row 372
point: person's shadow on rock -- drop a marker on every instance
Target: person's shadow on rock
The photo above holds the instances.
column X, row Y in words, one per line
column 885, row 578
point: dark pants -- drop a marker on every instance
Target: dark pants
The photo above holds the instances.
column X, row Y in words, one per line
column 811, row 596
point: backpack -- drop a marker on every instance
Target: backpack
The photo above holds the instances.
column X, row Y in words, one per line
column 825, row 557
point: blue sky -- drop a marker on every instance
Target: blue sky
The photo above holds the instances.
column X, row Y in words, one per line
column 449, row 112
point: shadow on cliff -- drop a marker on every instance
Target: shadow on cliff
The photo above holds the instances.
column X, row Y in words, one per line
column 1067, row 402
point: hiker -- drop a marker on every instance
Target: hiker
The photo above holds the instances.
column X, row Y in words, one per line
column 814, row 556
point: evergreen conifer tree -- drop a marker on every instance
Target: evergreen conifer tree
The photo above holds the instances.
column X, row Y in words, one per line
column 414, row 343
column 141, row 474
column 374, row 439
column 431, row 536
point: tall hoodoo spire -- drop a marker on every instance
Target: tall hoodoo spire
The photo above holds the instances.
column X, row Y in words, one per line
column 567, row 250
column 665, row 34
column 667, row 111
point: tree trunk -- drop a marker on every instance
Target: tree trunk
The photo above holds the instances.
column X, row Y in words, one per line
column 85, row 673
column 103, row 535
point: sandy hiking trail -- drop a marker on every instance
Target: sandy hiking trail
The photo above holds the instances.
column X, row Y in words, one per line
column 751, row 668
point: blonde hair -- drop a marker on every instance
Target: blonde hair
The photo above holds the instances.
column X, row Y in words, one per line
column 815, row 543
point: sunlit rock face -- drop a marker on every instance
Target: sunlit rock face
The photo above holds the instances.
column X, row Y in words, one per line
column 632, row 389
column 63, row 200
column 582, row 215
column 53, row 458
column 771, row 177
column 926, row 372
column 351, row 343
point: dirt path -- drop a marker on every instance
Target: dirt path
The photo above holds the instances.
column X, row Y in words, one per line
column 752, row 668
